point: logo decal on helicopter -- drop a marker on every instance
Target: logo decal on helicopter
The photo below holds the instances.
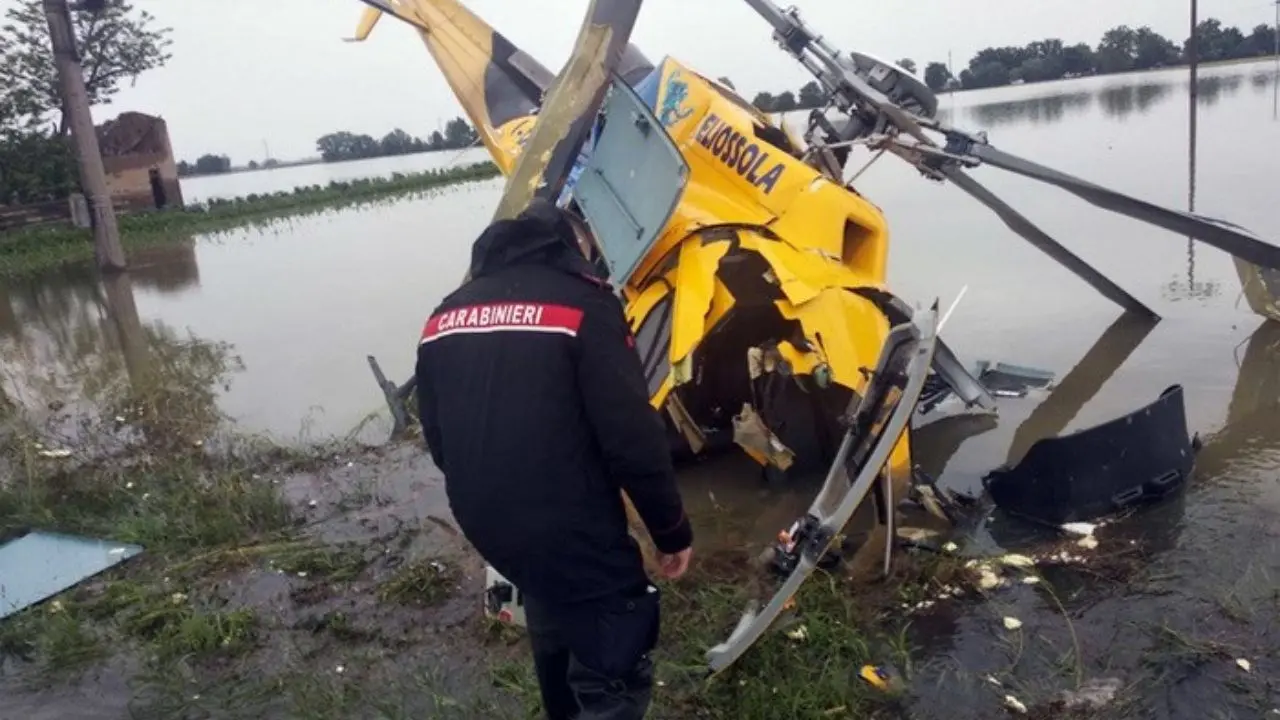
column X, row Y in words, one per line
column 677, row 93
column 740, row 153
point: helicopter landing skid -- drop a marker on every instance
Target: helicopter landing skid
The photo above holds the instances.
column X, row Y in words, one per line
column 875, row 427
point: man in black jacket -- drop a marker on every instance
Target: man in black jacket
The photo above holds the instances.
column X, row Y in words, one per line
column 534, row 404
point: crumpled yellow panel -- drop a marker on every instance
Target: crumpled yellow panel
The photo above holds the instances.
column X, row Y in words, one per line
column 695, row 281
column 803, row 275
column 848, row 328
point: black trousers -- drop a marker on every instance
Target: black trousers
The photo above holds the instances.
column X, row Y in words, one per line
column 593, row 659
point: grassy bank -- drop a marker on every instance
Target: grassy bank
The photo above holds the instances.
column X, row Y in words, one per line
column 313, row 584
column 30, row 251
column 328, row 583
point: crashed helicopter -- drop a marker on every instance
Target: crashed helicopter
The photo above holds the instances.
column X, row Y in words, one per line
column 753, row 274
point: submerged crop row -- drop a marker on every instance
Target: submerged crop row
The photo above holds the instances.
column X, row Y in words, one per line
column 26, row 252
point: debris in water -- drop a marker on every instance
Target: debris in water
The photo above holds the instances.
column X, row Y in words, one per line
column 991, row 679
column 1244, row 665
column 881, row 677
column 1012, row 623
column 950, row 547
column 799, row 634
column 1088, row 542
column 1031, row 580
column 1016, row 560
column 312, row 503
column 1014, row 704
column 56, row 454
column 1079, row 528
column 987, row 579
column 1094, row 695
column 340, row 669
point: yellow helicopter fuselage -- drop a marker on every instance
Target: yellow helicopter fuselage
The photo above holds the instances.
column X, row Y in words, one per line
column 768, row 270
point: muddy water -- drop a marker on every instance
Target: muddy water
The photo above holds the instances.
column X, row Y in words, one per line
column 300, row 304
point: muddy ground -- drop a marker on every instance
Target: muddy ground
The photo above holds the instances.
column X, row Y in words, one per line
column 334, row 586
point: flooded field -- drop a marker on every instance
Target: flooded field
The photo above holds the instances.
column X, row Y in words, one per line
column 274, row 325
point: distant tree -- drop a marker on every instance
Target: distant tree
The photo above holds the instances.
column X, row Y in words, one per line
column 185, row 168
column 1118, row 50
column 988, row 74
column 397, row 142
column 436, row 142
column 785, row 102
column 726, row 82
column 908, row 64
column 1153, row 50
column 210, row 164
column 1261, row 41
column 270, row 163
column 812, row 96
column 1218, row 43
column 341, row 146
column 764, row 101
column 253, row 164
column 115, row 43
column 1077, row 59
column 35, row 167
column 458, row 134
column 936, row 76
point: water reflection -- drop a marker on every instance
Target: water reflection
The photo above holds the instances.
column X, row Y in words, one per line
column 75, row 351
column 1118, row 101
column 1046, row 109
column 1121, row 101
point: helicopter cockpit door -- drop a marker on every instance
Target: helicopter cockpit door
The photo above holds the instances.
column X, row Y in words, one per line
column 631, row 183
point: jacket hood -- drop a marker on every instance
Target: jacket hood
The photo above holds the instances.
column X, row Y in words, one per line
column 541, row 235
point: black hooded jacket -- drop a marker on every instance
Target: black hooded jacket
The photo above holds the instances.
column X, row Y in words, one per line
column 534, row 404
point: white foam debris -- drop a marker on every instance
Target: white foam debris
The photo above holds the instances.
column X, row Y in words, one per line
column 799, row 634
column 1079, row 528
column 1031, row 580
column 1244, row 665
column 950, row 547
column 56, row 454
column 1012, row 623
column 991, row 679
column 1014, row 704
column 1016, row 560
column 1088, row 542
column 987, row 579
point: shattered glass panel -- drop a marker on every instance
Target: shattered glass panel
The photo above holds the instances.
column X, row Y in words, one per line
column 39, row 565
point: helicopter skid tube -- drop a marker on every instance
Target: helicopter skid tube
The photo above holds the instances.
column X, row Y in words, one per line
column 875, row 427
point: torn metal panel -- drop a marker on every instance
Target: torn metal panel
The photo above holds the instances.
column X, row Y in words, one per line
column 1102, row 469
column 39, row 565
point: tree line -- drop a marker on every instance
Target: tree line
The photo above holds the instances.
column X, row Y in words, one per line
column 341, row 146
column 1121, row 49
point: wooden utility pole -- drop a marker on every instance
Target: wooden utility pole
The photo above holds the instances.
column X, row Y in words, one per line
column 75, row 103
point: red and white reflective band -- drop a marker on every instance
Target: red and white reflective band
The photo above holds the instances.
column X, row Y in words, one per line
column 503, row 317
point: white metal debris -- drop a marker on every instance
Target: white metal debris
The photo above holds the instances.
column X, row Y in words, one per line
column 1079, row 528
column 1014, row 704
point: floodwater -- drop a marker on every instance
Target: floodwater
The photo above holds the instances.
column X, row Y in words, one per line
column 212, row 187
column 300, row 303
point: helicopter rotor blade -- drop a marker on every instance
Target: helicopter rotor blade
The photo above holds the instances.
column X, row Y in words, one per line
column 1229, row 238
column 1046, row 244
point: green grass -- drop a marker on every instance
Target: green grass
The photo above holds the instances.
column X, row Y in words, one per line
column 26, row 252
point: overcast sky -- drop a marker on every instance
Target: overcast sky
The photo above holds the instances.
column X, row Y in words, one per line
column 248, row 71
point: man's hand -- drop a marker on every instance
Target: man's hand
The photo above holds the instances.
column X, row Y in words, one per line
column 673, row 566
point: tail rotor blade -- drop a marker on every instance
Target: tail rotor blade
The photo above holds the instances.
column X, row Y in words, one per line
column 1226, row 237
column 1046, row 244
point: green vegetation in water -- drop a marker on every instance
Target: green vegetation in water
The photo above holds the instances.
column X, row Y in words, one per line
column 25, row 252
